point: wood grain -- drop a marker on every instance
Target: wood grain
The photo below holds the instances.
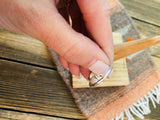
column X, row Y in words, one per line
column 119, row 76
column 145, row 10
column 134, row 46
column 145, row 29
column 13, row 115
column 23, row 48
column 34, row 89
column 146, row 16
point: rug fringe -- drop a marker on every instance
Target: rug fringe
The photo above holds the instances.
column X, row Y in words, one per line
column 141, row 107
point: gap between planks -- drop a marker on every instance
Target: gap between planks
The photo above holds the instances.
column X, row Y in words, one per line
column 144, row 10
column 14, row 115
column 33, row 89
column 34, row 95
column 20, row 47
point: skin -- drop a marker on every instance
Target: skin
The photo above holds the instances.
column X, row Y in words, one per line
column 88, row 40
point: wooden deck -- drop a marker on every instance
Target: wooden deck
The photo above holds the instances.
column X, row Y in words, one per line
column 30, row 87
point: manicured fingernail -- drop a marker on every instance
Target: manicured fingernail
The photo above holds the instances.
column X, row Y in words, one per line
column 99, row 68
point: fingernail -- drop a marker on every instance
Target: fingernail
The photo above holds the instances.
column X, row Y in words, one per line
column 99, row 67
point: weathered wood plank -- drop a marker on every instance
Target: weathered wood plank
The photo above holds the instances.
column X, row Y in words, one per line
column 145, row 10
column 33, row 89
column 13, row 115
column 23, row 48
column 146, row 30
column 26, row 49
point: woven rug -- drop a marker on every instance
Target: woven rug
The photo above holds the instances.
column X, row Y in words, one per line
column 108, row 103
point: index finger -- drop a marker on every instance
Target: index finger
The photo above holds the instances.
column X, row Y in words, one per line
column 97, row 20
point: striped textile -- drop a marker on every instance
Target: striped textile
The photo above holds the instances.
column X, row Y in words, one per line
column 113, row 102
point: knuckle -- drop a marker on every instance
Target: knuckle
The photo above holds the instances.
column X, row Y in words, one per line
column 74, row 51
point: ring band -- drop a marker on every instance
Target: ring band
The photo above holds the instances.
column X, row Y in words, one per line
column 96, row 79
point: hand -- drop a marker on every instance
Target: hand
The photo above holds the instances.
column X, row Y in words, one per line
column 84, row 47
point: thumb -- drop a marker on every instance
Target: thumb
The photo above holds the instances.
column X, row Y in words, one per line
column 74, row 47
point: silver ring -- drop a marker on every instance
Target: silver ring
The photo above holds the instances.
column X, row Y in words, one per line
column 96, row 79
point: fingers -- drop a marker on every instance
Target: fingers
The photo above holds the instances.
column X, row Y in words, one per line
column 85, row 72
column 97, row 20
column 74, row 69
column 41, row 20
column 74, row 47
column 63, row 62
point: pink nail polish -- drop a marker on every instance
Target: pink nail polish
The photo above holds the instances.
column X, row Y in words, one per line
column 99, row 68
